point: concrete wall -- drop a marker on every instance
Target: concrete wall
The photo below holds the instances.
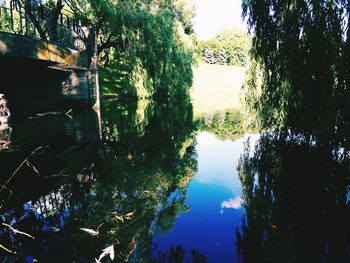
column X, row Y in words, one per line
column 37, row 76
column 13, row 45
column 32, row 87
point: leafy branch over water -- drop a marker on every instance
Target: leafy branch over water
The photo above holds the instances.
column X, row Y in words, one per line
column 299, row 73
column 144, row 46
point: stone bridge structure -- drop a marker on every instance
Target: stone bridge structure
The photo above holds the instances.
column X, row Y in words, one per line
column 48, row 61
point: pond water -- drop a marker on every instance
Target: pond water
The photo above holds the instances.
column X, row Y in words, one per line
column 157, row 184
column 214, row 196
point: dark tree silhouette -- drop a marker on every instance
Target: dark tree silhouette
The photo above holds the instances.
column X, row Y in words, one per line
column 295, row 192
column 300, row 51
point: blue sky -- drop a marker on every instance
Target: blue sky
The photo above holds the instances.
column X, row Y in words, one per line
column 215, row 15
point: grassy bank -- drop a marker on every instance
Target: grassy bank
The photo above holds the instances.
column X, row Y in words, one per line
column 216, row 87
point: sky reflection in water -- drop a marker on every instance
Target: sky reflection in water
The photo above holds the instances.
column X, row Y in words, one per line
column 215, row 197
column 145, row 163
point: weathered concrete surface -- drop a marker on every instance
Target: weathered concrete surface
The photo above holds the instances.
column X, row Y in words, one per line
column 39, row 76
column 32, row 86
column 12, row 45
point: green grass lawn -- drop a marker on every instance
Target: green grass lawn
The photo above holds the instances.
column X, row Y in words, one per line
column 216, row 87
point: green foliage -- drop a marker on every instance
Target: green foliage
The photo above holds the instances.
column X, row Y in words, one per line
column 152, row 145
column 230, row 47
column 142, row 44
column 251, row 94
column 209, row 56
column 227, row 125
column 5, row 20
column 145, row 47
column 300, row 49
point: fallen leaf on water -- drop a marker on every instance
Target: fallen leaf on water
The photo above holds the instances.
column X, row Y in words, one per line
column 17, row 231
column 55, row 229
column 30, row 165
column 107, row 251
column 120, row 218
column 6, row 249
column 52, row 213
column 129, row 214
column 132, row 250
column 90, row 231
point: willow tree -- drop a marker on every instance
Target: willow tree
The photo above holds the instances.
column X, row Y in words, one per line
column 299, row 73
column 141, row 41
column 293, row 192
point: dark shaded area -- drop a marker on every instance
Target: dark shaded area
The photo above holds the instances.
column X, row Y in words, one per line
column 296, row 183
column 61, row 145
column 296, row 194
column 178, row 254
column 31, row 87
column 127, row 187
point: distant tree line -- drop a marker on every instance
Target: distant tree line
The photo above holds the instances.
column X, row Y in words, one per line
column 229, row 47
column 224, row 125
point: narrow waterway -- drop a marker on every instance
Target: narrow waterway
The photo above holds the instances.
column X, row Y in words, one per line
column 215, row 204
column 146, row 179
column 146, row 182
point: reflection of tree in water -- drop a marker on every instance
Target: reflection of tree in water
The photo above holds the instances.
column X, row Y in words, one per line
column 226, row 125
column 296, row 193
column 5, row 136
column 159, row 155
column 178, row 254
column 149, row 160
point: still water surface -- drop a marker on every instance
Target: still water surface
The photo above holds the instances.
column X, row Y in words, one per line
column 214, row 196
column 144, row 179
column 157, row 184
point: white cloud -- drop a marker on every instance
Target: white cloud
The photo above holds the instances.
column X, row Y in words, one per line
column 235, row 203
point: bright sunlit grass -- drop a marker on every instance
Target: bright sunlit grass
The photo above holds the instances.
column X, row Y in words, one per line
column 216, row 87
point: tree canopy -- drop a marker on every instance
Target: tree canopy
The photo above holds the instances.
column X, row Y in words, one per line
column 299, row 75
column 229, row 47
column 140, row 42
column 143, row 45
